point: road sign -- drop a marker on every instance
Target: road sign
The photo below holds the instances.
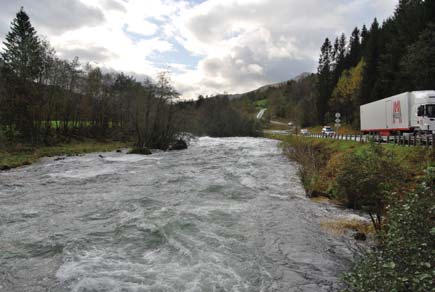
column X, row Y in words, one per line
column 337, row 115
column 337, row 121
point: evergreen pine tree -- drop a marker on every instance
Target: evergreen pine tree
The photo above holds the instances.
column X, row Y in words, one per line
column 324, row 85
column 339, row 54
column 354, row 55
column 371, row 58
column 22, row 53
column 364, row 37
column 418, row 65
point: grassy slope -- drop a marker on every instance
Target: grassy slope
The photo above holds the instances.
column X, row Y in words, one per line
column 328, row 154
column 20, row 155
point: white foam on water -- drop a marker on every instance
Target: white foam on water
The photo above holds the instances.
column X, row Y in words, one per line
column 131, row 158
column 282, row 197
column 85, row 173
column 111, row 270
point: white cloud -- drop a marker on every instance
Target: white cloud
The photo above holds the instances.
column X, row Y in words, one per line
column 236, row 45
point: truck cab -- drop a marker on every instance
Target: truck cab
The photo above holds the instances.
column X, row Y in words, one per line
column 423, row 111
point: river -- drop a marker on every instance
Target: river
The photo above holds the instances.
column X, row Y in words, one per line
column 225, row 215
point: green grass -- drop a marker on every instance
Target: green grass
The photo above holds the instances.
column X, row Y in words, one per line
column 24, row 155
column 261, row 103
column 329, row 153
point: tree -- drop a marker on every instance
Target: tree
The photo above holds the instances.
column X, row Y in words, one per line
column 418, row 64
column 346, row 95
column 339, row 57
column 22, row 53
column 371, row 58
column 364, row 37
column 354, row 55
column 324, row 84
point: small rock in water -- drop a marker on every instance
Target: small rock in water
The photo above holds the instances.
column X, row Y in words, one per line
column 178, row 145
column 101, row 156
column 4, row 167
column 360, row 236
column 59, row 158
column 119, row 151
column 141, row 151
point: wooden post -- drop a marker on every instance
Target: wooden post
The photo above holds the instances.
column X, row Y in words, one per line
column 433, row 145
column 427, row 140
column 395, row 140
column 388, row 139
column 415, row 140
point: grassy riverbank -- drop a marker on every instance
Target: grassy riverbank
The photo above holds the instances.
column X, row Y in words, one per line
column 19, row 155
column 396, row 186
column 322, row 159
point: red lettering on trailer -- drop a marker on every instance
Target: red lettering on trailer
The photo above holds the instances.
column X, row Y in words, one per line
column 397, row 111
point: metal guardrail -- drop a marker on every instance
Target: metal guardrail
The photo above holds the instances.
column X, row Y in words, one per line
column 414, row 140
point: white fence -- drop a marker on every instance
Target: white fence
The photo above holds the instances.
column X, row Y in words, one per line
column 410, row 140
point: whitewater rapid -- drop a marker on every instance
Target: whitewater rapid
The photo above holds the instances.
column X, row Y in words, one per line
column 225, row 215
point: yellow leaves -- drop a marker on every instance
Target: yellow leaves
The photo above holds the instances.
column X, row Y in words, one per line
column 348, row 86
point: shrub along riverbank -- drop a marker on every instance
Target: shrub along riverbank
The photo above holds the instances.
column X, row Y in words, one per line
column 395, row 186
column 11, row 157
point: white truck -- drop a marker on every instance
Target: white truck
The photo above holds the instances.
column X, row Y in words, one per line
column 409, row 112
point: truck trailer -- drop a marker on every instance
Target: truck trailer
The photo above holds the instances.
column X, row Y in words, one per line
column 409, row 112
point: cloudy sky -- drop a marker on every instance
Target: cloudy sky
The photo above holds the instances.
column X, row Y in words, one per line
column 209, row 46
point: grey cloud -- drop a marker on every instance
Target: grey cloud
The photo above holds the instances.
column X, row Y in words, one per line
column 297, row 28
column 54, row 16
column 114, row 5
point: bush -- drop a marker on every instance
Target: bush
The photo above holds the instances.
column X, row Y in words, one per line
column 404, row 259
column 366, row 179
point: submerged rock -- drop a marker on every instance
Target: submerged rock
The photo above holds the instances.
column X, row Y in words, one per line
column 4, row 167
column 360, row 236
column 141, row 151
column 316, row 194
column 180, row 144
column 119, row 151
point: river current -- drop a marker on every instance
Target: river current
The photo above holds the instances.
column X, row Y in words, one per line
column 225, row 215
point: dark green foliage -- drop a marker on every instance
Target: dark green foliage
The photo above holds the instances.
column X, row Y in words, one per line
column 371, row 58
column 367, row 178
column 418, row 64
column 404, row 260
column 354, row 55
column 339, row 57
column 325, row 80
column 219, row 117
column 22, row 54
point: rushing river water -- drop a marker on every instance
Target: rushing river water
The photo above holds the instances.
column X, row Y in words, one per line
column 225, row 215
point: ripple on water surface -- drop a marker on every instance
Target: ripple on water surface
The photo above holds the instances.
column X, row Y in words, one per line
column 225, row 215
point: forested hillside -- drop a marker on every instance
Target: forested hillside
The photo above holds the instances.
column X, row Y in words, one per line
column 375, row 62
column 46, row 100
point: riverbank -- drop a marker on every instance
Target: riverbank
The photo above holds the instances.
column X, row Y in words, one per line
column 322, row 159
column 20, row 155
column 395, row 186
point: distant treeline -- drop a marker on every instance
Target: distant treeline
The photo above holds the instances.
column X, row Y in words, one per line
column 46, row 100
column 219, row 117
column 376, row 62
